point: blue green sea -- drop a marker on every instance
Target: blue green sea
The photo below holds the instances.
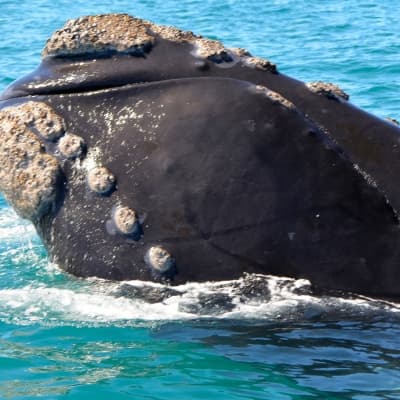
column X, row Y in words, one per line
column 63, row 337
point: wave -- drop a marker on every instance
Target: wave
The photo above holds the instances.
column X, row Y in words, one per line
column 134, row 303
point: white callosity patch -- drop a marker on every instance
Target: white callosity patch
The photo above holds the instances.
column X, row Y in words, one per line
column 100, row 33
column 122, row 33
column 204, row 48
column 171, row 33
column 274, row 96
column 212, row 49
column 28, row 176
column 259, row 63
column 240, row 52
column 40, row 119
column 253, row 62
column 159, row 259
column 101, row 180
column 71, row 145
column 329, row 90
column 125, row 220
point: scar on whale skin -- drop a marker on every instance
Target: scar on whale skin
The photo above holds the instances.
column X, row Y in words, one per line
column 274, row 96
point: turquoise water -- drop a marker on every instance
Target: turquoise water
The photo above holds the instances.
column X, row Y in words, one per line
column 61, row 337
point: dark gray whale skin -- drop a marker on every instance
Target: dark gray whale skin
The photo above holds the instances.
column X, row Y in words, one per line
column 226, row 175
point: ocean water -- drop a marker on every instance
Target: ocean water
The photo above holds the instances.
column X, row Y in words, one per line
column 62, row 337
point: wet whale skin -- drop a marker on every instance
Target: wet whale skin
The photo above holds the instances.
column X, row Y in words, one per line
column 225, row 165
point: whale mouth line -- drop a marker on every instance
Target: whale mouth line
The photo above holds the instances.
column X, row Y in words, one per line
column 98, row 89
column 72, row 90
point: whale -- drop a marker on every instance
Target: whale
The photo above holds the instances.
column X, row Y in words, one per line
column 144, row 152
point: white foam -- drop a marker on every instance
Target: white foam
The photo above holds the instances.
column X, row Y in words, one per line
column 12, row 227
column 54, row 305
column 97, row 302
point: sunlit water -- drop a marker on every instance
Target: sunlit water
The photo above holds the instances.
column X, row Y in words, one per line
column 65, row 337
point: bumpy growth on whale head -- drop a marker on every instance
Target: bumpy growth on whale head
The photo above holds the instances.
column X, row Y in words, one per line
column 29, row 178
column 99, row 34
column 145, row 152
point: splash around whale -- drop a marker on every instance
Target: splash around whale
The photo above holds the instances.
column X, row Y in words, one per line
column 142, row 152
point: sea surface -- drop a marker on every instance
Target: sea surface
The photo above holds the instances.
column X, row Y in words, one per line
column 62, row 337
